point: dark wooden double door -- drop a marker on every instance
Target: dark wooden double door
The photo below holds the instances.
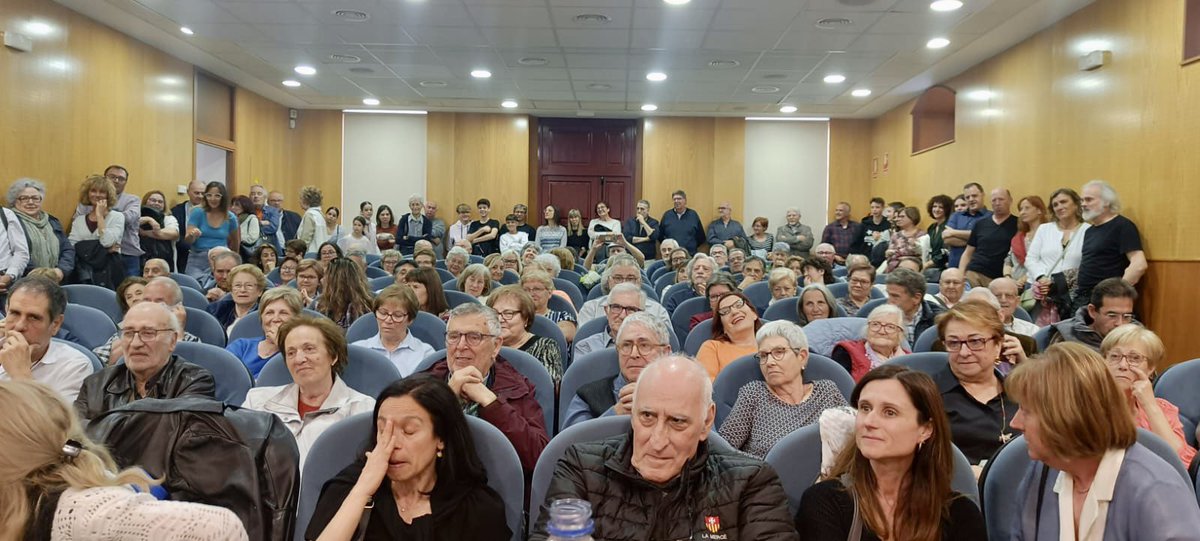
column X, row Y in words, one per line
column 582, row 162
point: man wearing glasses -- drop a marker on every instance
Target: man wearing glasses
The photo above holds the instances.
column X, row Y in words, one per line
column 622, row 269
column 906, row 290
column 395, row 310
column 162, row 290
column 1111, row 306
column 151, row 369
column 641, row 340
column 487, row 386
column 622, row 301
column 130, row 206
column 34, row 309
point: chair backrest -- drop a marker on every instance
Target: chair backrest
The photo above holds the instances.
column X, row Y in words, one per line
column 474, row 259
column 187, row 281
column 584, row 370
column 696, row 337
column 745, row 369
column 206, row 327
column 344, row 442
column 1178, row 385
column 759, row 293
column 570, row 276
column 823, row 334
column 97, row 297
column 445, row 275
column 90, row 325
column 839, row 289
column 572, row 290
column 579, row 269
column 926, row 340
column 1042, row 337
column 590, row 327
column 998, row 487
column 450, row 285
column 655, row 267
column 250, row 326
column 1020, row 313
column 784, row 309
column 91, row 357
column 683, row 313
column 871, row 304
column 929, row 362
column 232, row 378
column 376, row 284
column 562, row 305
column 376, row 272
column 455, row 297
column 427, row 328
column 440, row 264
column 510, row 278
column 933, row 288
column 1164, row 451
column 194, row 299
column 542, row 326
column 368, row 372
column 274, row 277
column 662, row 281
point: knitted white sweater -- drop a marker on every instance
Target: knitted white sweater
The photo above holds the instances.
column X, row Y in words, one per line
column 118, row 513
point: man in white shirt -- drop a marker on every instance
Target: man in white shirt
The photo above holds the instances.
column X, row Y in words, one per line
column 34, row 313
column 1009, row 296
column 460, row 229
column 622, row 269
column 396, row 308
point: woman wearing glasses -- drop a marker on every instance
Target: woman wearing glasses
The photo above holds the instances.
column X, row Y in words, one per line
column 883, row 338
column 1132, row 353
column 246, row 283
column 275, row 308
column 515, row 308
column 733, row 331
column 208, row 227
column 314, row 350
column 396, row 308
column 48, row 244
column 768, row 410
column 971, row 386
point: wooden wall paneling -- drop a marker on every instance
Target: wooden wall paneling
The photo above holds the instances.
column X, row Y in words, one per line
column 214, row 108
column 849, row 163
column 729, row 168
column 678, row 153
column 1167, row 303
column 315, row 155
column 262, row 135
column 473, row 155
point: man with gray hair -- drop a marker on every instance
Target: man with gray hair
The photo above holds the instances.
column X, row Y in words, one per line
column 699, row 270
column 621, row 269
column 162, row 290
column 1112, row 246
column 151, row 369
column 216, row 282
column 413, row 226
column 33, row 315
column 799, row 237
column 641, row 340
column 153, row 268
column 719, row 253
column 623, row 301
column 640, row 229
column 438, row 229
column 639, row 484
column 488, row 386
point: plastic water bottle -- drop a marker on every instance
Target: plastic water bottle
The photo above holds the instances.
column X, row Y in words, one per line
column 570, row 519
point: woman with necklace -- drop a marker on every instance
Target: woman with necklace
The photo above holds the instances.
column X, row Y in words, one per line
column 1054, row 255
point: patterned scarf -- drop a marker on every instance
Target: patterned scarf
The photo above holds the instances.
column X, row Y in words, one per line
column 43, row 244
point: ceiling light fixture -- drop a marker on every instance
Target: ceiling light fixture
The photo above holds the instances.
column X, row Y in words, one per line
column 835, row 78
column 860, row 92
column 532, row 61
column 656, row 76
column 945, row 5
column 370, row 101
column 305, row 70
column 291, row 83
column 937, row 43
column 187, row 30
column 385, row 112
column 764, row 89
column 649, row 107
column 509, row 104
column 481, row 74
column 599, row 86
column 676, row 2
column 790, row 118
column 787, row 109
column 433, row 84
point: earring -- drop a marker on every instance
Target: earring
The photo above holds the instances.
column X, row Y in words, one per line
column 920, row 445
column 439, row 453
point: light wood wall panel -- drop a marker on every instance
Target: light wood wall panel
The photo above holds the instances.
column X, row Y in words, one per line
column 263, row 142
column 472, row 155
column 849, row 164
column 88, row 96
column 706, row 157
column 315, row 154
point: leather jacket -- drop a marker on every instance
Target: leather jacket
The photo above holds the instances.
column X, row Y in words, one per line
column 114, row 386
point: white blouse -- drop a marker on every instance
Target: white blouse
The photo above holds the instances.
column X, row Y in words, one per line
column 614, row 227
column 121, row 513
column 114, row 228
column 1043, row 257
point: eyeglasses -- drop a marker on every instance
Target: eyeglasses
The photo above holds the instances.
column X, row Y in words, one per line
column 860, row 282
column 115, row 178
column 29, row 199
column 617, row 309
column 1126, row 317
column 473, row 338
column 777, row 354
column 507, row 315
column 147, row 335
column 535, row 290
column 1132, row 359
column 973, row 344
column 886, row 328
column 617, row 279
column 737, row 305
column 625, row 348
column 390, row 316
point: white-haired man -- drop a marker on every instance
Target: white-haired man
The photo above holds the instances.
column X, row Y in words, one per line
column 413, row 226
column 621, row 302
column 1112, row 246
column 621, row 269
column 641, row 340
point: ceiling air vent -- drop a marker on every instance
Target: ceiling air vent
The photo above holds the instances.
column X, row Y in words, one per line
column 592, row 19
column 344, row 58
column 599, row 86
column 362, row 70
column 723, row 64
column 765, row 89
column 775, row 76
column 830, row 23
column 432, row 84
column 533, row 61
column 351, row 15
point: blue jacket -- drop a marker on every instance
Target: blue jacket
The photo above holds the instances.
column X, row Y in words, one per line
column 271, row 218
column 686, row 230
column 404, row 241
column 290, row 223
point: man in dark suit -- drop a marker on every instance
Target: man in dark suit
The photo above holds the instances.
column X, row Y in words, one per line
column 413, row 226
column 289, row 221
column 195, row 193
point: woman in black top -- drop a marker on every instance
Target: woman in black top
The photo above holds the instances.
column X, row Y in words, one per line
column 422, row 480
column 577, row 233
column 898, row 469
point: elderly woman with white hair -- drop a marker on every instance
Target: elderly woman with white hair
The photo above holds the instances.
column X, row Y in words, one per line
column 782, row 402
column 782, row 282
column 457, row 259
column 816, row 302
column 699, row 270
column 48, row 244
column 884, row 337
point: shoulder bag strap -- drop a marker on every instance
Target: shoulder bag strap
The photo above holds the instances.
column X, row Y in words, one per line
column 1041, row 496
column 360, row 533
column 856, row 522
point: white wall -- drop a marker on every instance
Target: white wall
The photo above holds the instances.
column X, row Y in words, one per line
column 383, row 161
column 212, row 164
column 787, row 165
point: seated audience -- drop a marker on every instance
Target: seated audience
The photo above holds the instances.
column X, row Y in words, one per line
column 767, row 410
column 911, row 263
column 1111, row 306
column 153, row 268
column 488, row 386
column 515, row 309
column 49, row 247
column 295, row 248
column 396, row 309
column 540, row 287
column 971, row 385
column 779, row 255
column 1013, row 339
column 624, row 478
column 861, row 279
column 883, row 338
column 624, row 300
column 151, row 369
column 310, row 275
column 721, row 283
column 246, row 285
column 400, row 270
column 951, row 285
column 420, row 479
column 276, row 307
column 906, row 290
column 426, row 284
column 1006, row 292
column 733, row 331
column 1132, row 353
column 620, row 270
column 816, row 302
column 896, row 474
column 328, row 251
column 641, row 340
column 737, row 260
column 314, row 350
column 359, row 258
column 719, row 253
column 287, row 271
column 388, row 259
column 424, row 258
column 130, row 292
column 699, row 270
column 59, row 484
column 216, row 282
column 160, row 290
column 1107, row 485
column 475, row 280
column 265, row 258
column 753, row 270
column 827, row 252
column 495, row 265
column 817, row 270
column 457, row 260
column 33, row 311
column 782, row 282
column 346, row 293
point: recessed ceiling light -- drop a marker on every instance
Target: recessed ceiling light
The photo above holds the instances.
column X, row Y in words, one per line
column 345, row 58
column 649, row 107
column 361, row 69
column 945, row 5
column 39, row 28
column 187, row 30
column 592, row 19
column 860, row 92
column 306, row 70
column 765, row 89
column 829, row 23
column 722, row 63
column 509, row 104
column 787, row 109
column 835, row 78
column 481, row 74
column 351, row 15
column 937, row 43
column 656, row 76
column 677, row 2
column 291, row 83
column 370, row 101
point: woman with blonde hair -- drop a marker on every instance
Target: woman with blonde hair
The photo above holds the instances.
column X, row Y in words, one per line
column 577, row 233
column 1107, row 485
column 55, row 483
column 475, row 280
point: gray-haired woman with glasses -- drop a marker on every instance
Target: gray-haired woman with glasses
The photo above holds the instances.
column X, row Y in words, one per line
column 48, row 244
column 883, row 338
column 768, row 410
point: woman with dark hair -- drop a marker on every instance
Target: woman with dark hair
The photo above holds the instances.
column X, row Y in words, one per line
column 760, row 241
column 385, row 228
column 721, row 283
column 249, row 226
column 333, row 224
column 210, row 226
column 733, row 330
column 265, row 258
column 421, row 478
column 345, row 294
column 426, row 284
column 157, row 229
column 358, row 239
column 861, row 279
column 907, row 240
column 515, row 309
column 893, row 480
column 551, row 234
column 1052, row 261
column 939, row 209
column 328, row 251
column 817, row 270
column 130, row 292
